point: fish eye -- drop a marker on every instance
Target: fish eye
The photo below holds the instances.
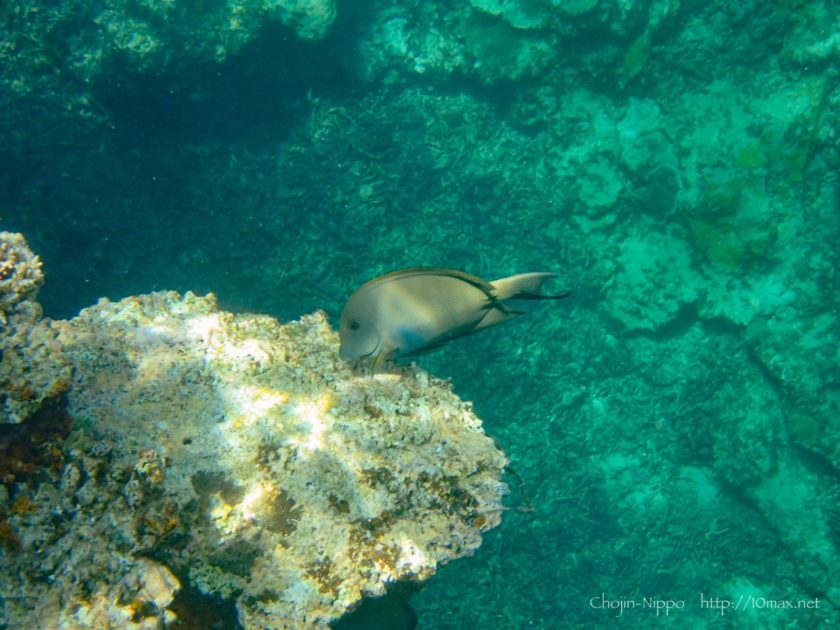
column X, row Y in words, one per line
column 354, row 325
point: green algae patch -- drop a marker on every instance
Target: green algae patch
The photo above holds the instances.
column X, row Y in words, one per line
column 636, row 57
column 751, row 156
column 733, row 224
column 491, row 39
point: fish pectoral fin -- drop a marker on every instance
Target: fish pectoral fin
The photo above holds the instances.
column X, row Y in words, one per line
column 378, row 361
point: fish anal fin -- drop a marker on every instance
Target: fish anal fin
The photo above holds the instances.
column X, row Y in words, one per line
column 526, row 295
column 497, row 316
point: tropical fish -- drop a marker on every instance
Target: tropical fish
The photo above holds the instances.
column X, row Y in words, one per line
column 414, row 311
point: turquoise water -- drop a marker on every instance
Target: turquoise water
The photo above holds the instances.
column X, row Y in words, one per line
column 674, row 422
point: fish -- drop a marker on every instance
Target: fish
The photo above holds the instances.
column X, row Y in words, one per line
column 414, row 311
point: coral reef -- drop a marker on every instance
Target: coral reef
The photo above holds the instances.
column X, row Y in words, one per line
column 650, row 261
column 243, row 457
column 82, row 40
column 22, row 391
column 676, row 426
column 143, row 32
column 502, row 40
column 20, row 280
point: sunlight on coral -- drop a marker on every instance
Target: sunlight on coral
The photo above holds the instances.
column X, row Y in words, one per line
column 250, row 349
column 221, row 511
column 256, row 402
column 411, row 556
column 315, row 413
column 246, row 507
column 232, row 442
column 202, row 327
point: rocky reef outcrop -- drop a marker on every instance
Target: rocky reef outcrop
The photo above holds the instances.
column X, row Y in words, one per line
column 231, row 453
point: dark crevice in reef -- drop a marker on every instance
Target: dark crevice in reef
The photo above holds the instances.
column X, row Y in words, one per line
column 197, row 611
column 389, row 612
column 260, row 94
column 677, row 326
column 29, row 452
column 29, row 449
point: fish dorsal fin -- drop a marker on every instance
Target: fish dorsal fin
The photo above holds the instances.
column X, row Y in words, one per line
column 484, row 286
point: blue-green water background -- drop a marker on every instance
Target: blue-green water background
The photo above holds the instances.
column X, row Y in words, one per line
column 674, row 422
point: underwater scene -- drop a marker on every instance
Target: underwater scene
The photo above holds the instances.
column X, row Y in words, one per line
column 245, row 247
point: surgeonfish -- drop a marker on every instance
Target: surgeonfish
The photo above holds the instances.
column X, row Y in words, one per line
column 417, row 310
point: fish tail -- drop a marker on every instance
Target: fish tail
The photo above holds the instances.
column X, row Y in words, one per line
column 525, row 286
